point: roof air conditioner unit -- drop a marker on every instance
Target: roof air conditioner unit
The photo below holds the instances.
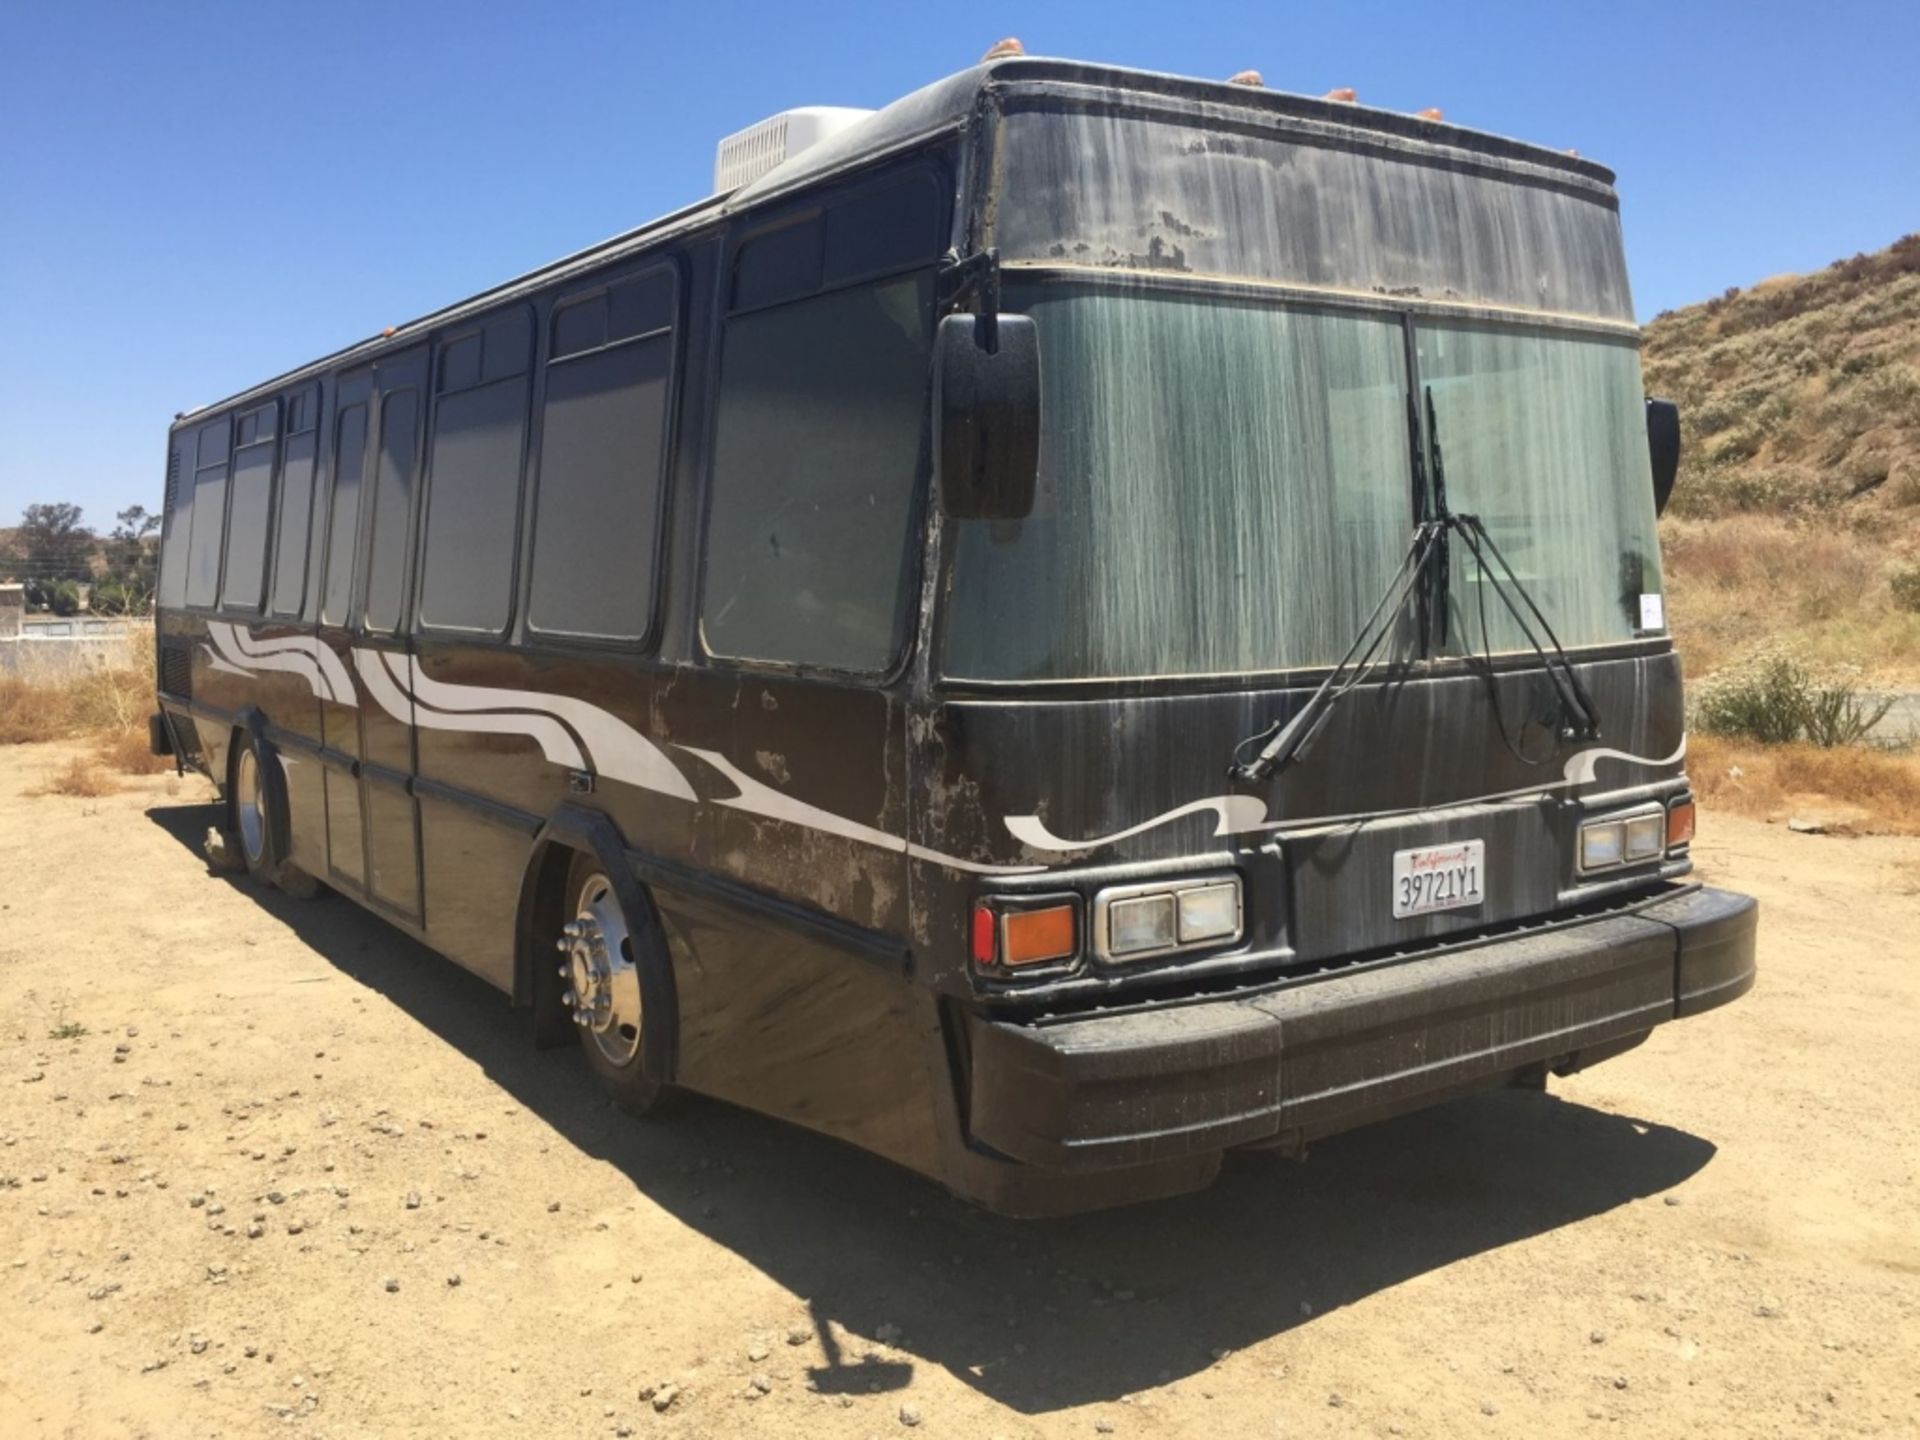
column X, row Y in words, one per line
column 746, row 155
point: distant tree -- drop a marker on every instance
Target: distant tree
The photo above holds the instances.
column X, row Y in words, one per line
column 132, row 564
column 51, row 543
column 63, row 597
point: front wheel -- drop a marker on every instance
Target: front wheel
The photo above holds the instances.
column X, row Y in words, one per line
column 249, row 813
column 600, row 961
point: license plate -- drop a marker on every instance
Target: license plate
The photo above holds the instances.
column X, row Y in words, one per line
column 1438, row 877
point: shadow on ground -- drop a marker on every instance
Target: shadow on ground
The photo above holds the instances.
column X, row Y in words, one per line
column 1039, row 1315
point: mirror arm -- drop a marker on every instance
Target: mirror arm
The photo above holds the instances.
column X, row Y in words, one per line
column 976, row 278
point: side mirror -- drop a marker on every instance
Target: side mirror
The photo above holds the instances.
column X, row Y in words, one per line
column 987, row 415
column 1663, row 448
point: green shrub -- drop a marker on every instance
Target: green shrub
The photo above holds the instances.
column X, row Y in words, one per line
column 1905, row 585
column 1776, row 700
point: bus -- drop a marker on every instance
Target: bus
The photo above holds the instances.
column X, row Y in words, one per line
column 1075, row 623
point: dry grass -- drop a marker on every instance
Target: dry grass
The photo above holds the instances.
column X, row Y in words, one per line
column 107, row 702
column 1746, row 582
column 82, row 777
column 1776, row 782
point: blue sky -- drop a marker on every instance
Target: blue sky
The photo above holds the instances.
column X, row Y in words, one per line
column 196, row 196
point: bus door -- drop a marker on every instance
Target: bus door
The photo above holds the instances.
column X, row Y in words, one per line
column 373, row 825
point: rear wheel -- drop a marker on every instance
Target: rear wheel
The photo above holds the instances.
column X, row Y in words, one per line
column 248, row 809
column 252, row 821
column 600, row 961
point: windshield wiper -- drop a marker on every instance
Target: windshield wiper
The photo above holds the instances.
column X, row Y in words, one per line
column 1288, row 740
column 1579, row 716
column 1426, row 565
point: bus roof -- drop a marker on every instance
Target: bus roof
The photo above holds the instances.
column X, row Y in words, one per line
column 944, row 106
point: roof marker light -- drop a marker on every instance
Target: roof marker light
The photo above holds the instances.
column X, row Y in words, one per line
column 1432, row 112
column 1247, row 77
column 1003, row 50
column 1344, row 95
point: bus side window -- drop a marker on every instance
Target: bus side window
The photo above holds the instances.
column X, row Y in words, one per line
column 349, row 456
column 822, row 421
column 473, row 476
column 209, row 512
column 296, row 502
column 602, row 453
column 256, row 440
column 394, row 476
column 179, row 521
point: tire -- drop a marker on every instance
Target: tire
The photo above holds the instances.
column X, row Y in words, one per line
column 251, row 821
column 249, row 811
column 602, row 953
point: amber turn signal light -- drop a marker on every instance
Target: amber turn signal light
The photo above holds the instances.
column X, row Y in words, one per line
column 1679, row 824
column 1013, row 938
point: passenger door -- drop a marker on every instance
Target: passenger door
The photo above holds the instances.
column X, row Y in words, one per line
column 373, row 827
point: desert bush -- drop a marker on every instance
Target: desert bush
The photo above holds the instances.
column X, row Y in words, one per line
column 1767, row 782
column 1777, row 700
column 108, row 702
column 82, row 777
column 1904, row 585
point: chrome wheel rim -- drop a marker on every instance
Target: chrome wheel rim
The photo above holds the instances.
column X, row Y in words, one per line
column 603, row 985
column 249, row 808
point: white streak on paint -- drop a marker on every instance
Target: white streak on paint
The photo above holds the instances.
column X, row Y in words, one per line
column 1579, row 768
column 555, row 743
column 339, row 685
column 217, row 662
column 619, row 751
column 758, row 798
column 239, row 658
column 1233, row 815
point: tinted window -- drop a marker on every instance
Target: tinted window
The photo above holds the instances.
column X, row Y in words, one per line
column 209, row 513
column 247, row 523
column 884, row 227
column 179, row 521
column 601, row 444
column 473, row 497
column 349, row 459
column 779, row 265
column 296, row 504
column 822, row 412
column 392, row 506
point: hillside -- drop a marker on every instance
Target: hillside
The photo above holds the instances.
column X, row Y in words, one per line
column 1797, row 515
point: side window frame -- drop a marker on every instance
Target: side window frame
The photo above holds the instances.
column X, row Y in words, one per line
column 269, row 533
column 673, row 265
column 226, row 496
column 816, row 209
column 313, row 413
column 532, row 374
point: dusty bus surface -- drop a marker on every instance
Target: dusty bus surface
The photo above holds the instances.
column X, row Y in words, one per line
column 1074, row 623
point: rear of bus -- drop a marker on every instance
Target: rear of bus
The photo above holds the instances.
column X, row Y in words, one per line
column 1275, row 336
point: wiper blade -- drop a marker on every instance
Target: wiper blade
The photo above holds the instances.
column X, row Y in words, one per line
column 1579, row 717
column 1288, row 740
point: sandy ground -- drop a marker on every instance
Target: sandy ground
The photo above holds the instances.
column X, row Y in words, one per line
column 298, row 1176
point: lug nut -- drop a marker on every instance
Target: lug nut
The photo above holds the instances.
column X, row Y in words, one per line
column 563, row 946
column 567, row 999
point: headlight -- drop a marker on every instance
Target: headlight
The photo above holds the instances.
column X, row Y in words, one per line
column 1618, row 840
column 1603, row 843
column 1136, row 922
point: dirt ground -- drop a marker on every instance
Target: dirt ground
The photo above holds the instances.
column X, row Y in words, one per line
column 288, row 1173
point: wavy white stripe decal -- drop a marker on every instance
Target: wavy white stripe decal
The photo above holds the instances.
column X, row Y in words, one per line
column 619, row 751
column 381, row 672
column 758, row 798
column 332, row 669
column 1233, row 814
column 1239, row 814
column 1579, row 769
column 310, row 659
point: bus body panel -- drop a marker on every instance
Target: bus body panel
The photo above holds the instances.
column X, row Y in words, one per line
column 818, row 843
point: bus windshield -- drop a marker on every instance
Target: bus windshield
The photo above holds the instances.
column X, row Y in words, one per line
column 1227, row 478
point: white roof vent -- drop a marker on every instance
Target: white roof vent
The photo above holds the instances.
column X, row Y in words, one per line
column 746, row 155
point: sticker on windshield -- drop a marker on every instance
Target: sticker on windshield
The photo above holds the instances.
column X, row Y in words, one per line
column 1653, row 613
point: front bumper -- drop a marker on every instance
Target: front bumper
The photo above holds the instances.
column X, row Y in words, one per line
column 1323, row 1055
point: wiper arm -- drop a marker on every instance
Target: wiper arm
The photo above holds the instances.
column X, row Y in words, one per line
column 1580, row 718
column 1288, row 740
